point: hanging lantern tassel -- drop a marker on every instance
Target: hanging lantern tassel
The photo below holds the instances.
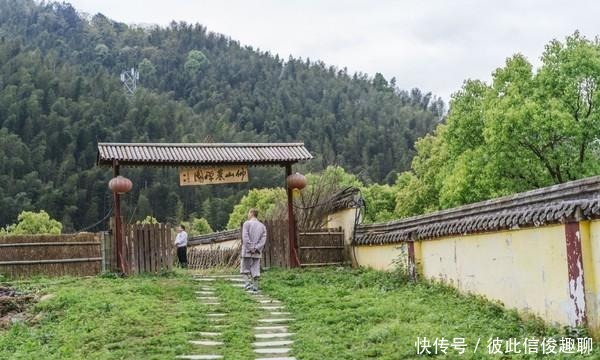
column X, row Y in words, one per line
column 120, row 184
column 296, row 181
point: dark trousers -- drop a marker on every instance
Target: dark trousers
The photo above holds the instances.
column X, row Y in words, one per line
column 182, row 256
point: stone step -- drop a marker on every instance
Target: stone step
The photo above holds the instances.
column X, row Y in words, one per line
column 206, row 342
column 217, row 319
column 277, row 358
column 272, row 307
column 199, row 357
column 269, row 301
column 209, row 333
column 281, row 328
column 204, row 292
column 275, row 320
column 217, row 326
column 216, row 315
column 212, row 278
column 280, row 313
column 263, row 344
column 207, row 298
column 278, row 335
column 211, row 303
column 207, row 288
column 272, row 351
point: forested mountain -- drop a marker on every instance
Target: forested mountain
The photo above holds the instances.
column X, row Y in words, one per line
column 60, row 94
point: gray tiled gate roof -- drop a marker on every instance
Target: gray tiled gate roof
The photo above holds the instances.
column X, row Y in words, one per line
column 201, row 153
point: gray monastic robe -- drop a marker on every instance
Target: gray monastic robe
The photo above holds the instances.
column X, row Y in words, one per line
column 254, row 236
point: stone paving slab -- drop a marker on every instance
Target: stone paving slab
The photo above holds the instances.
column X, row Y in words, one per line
column 272, row 351
column 210, row 303
column 279, row 320
column 269, row 301
column 276, row 307
column 280, row 313
column 207, row 288
column 277, row 335
column 209, row 333
column 272, row 328
column 206, row 342
column 205, row 292
column 273, row 343
column 216, row 314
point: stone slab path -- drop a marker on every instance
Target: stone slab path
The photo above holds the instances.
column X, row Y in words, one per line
column 272, row 340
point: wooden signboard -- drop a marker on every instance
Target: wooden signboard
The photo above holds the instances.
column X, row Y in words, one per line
column 206, row 175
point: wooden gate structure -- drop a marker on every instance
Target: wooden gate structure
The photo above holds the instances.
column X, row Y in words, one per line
column 146, row 248
column 315, row 247
column 276, row 252
column 321, row 247
column 209, row 161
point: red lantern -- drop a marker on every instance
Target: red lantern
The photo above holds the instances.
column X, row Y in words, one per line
column 296, row 181
column 120, row 184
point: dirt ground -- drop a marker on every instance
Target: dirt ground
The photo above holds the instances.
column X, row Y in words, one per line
column 12, row 305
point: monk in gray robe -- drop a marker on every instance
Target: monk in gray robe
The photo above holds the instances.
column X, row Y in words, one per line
column 254, row 237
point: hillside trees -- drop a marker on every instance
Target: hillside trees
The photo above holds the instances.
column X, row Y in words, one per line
column 60, row 94
column 527, row 129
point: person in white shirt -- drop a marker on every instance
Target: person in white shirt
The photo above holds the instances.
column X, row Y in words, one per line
column 181, row 243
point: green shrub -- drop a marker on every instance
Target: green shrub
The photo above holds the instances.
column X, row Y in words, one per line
column 30, row 222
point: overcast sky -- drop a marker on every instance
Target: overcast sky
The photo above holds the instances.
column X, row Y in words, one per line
column 433, row 45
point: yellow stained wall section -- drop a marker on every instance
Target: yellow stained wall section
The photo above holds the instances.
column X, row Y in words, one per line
column 524, row 269
column 380, row 257
column 345, row 219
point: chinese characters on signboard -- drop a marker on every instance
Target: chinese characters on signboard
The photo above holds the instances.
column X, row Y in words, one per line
column 206, row 175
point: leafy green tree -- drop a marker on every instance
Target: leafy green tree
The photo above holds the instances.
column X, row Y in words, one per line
column 418, row 190
column 198, row 226
column 147, row 72
column 148, row 220
column 333, row 175
column 30, row 222
column 526, row 129
column 380, row 202
column 195, row 62
column 263, row 200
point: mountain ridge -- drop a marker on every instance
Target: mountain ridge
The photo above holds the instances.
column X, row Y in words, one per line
column 60, row 94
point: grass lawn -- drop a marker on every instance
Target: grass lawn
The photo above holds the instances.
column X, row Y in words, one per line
column 106, row 318
column 340, row 314
column 362, row 314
